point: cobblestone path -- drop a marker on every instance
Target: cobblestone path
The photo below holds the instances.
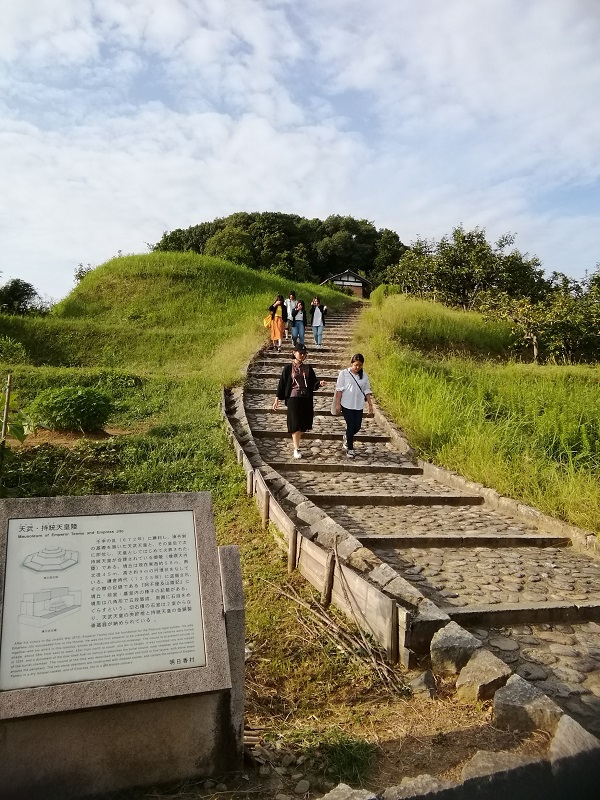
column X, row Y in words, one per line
column 527, row 594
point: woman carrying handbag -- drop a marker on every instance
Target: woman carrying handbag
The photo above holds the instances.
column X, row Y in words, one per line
column 352, row 391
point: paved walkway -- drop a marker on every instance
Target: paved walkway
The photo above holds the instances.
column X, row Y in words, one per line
column 532, row 599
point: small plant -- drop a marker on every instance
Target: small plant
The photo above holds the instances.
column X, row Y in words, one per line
column 12, row 351
column 71, row 408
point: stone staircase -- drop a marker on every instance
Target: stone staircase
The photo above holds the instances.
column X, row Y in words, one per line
column 526, row 587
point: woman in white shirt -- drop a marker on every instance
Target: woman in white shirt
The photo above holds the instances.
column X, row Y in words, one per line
column 317, row 320
column 352, row 391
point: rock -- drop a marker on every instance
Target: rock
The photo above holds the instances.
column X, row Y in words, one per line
column 344, row 792
column 532, row 672
column 283, row 797
column 481, row 677
column 383, row 574
column 403, row 591
column 570, row 739
column 221, row 787
column 425, row 682
column 487, row 763
column 451, row 648
column 264, row 771
column 308, row 512
column 420, row 787
column 502, row 643
column 520, row 706
column 363, row 560
column 288, row 760
column 302, row 787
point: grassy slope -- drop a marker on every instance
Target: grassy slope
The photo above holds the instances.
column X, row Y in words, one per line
column 531, row 432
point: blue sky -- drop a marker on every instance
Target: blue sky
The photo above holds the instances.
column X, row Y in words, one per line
column 121, row 119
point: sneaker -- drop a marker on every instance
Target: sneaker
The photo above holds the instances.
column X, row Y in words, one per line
column 297, row 454
column 350, row 453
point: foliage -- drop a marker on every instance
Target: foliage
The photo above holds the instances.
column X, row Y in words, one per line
column 12, row 351
column 564, row 327
column 233, row 244
column 458, row 268
column 71, row 408
column 530, row 432
column 81, row 271
column 291, row 246
column 19, row 297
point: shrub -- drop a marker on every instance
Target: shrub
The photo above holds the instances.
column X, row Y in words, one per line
column 71, row 408
column 12, row 351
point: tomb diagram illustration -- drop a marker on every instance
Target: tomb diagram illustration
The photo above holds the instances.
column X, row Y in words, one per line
column 40, row 608
column 51, row 559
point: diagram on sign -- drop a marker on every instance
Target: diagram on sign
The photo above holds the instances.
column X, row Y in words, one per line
column 40, row 608
column 51, row 559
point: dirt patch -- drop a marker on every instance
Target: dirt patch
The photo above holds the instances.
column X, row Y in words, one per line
column 66, row 438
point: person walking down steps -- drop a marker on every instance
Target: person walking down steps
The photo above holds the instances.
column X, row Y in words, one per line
column 317, row 320
column 298, row 324
column 352, row 391
column 296, row 388
column 278, row 320
column 290, row 305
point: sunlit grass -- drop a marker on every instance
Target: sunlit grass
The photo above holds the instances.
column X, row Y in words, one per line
column 531, row 432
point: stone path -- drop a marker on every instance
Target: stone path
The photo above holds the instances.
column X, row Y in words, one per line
column 528, row 595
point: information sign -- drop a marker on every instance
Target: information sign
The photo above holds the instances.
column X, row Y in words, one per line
column 100, row 596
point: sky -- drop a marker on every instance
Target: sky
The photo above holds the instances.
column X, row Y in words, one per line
column 123, row 119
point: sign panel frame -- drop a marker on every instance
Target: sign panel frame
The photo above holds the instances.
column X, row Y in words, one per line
column 207, row 613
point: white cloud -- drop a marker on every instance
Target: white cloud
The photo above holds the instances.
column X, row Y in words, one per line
column 122, row 118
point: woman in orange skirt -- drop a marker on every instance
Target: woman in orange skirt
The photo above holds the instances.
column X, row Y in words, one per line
column 278, row 320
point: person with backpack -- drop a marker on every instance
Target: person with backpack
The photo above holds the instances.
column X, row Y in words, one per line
column 352, row 391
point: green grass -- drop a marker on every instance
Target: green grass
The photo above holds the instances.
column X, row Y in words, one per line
column 531, row 432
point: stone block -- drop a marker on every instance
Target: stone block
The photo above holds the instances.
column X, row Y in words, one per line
column 428, row 620
column 424, row 787
column 344, row 792
column 570, row 739
column 424, row 683
column 363, row 560
column 451, row 648
column 383, row 574
column 308, row 512
column 520, row 706
column 485, row 763
column 403, row 591
column 348, row 546
column 483, row 675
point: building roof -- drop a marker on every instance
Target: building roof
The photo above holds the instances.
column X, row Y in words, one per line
column 346, row 272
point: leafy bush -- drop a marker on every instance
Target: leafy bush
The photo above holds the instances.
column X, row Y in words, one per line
column 12, row 351
column 71, row 408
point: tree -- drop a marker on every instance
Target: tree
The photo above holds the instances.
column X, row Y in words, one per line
column 232, row 244
column 18, row 297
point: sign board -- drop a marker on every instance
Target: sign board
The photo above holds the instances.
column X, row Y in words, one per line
column 111, row 599
column 92, row 597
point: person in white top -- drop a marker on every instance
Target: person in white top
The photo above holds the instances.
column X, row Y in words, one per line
column 317, row 320
column 290, row 305
column 352, row 391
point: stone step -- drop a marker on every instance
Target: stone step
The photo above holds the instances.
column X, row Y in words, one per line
column 283, row 410
column 543, row 612
column 320, row 451
column 256, row 387
column 386, row 499
column 347, row 467
column 465, row 577
column 263, row 433
column 461, row 540
column 274, row 375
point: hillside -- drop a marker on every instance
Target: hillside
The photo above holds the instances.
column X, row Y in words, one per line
column 531, row 432
column 166, row 311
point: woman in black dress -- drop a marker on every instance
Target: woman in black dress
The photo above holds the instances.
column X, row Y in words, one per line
column 297, row 385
